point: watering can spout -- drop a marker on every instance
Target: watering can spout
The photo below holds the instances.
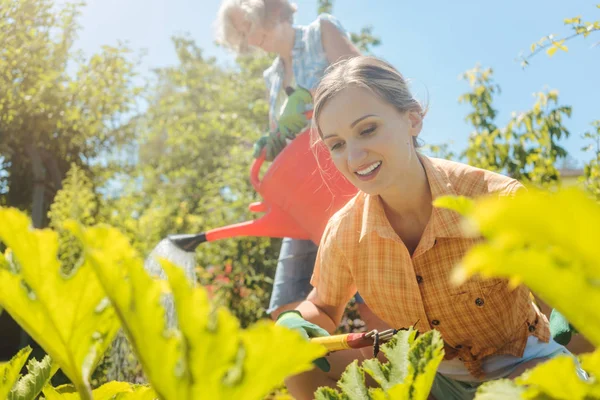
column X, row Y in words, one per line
column 188, row 241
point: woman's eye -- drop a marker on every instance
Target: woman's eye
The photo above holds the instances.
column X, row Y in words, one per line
column 336, row 146
column 367, row 131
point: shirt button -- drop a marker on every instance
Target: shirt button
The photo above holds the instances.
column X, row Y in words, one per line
column 479, row 302
column 435, row 322
column 531, row 328
column 419, row 279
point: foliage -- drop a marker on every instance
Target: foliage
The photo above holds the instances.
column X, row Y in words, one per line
column 109, row 391
column 76, row 200
column 30, row 385
column 195, row 143
column 10, row 371
column 325, row 6
column 209, row 356
column 68, row 315
column 551, row 44
column 49, row 117
column 439, row 151
column 527, row 148
column 364, row 40
column 557, row 258
column 408, row 374
column 591, row 172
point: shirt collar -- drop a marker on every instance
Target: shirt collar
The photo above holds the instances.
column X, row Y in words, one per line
column 444, row 222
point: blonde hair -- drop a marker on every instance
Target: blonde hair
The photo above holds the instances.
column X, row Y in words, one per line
column 257, row 12
column 370, row 73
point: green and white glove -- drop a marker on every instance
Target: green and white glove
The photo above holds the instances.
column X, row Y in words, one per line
column 560, row 329
column 292, row 119
column 272, row 142
column 293, row 320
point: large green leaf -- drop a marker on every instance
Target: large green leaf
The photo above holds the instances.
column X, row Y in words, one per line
column 227, row 362
column 547, row 241
column 408, row 373
column 210, row 357
column 501, row 389
column 557, row 378
column 10, row 371
column 69, row 316
column 30, row 385
column 352, row 382
column 425, row 356
column 137, row 300
column 108, row 391
column 394, row 371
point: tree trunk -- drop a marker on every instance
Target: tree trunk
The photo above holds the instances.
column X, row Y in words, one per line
column 39, row 179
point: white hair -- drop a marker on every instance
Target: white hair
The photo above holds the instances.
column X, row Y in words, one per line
column 264, row 13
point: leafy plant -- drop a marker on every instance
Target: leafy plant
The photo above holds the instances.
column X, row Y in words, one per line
column 408, row 374
column 546, row 241
column 74, row 317
column 68, row 315
column 551, row 44
column 591, row 172
column 209, row 356
column 527, row 147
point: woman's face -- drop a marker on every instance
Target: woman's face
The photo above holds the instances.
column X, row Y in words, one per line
column 370, row 142
column 257, row 35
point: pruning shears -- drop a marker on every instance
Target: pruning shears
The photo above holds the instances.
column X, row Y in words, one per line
column 356, row 340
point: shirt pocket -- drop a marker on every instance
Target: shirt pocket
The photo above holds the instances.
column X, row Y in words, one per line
column 482, row 307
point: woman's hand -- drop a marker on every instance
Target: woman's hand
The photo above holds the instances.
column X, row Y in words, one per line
column 293, row 118
column 293, row 320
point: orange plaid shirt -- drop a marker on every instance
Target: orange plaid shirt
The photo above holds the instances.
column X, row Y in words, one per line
column 361, row 251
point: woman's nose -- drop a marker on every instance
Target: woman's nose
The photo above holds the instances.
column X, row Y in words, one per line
column 356, row 155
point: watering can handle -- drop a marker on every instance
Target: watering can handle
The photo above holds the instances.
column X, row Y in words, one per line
column 258, row 162
column 255, row 169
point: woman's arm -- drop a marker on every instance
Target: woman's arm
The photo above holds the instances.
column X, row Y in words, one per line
column 316, row 311
column 335, row 43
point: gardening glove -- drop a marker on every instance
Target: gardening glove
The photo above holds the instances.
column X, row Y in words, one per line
column 560, row 329
column 273, row 143
column 292, row 119
column 293, row 320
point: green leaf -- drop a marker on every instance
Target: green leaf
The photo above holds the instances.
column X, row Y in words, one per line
column 68, row 316
column 251, row 376
column 352, row 382
column 501, row 389
column 556, row 378
column 556, row 46
column 210, row 357
column 399, row 392
column 575, row 20
column 396, row 369
column 108, row 391
column 327, row 393
column 137, row 299
column 461, row 204
column 10, row 371
column 425, row 356
column 30, row 385
column 525, row 245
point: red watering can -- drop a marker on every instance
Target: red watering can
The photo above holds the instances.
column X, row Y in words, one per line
column 301, row 189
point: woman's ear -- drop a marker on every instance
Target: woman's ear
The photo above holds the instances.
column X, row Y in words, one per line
column 416, row 122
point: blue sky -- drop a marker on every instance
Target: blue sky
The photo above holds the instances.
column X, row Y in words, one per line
column 430, row 42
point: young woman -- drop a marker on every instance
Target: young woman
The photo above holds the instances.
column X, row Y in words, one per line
column 391, row 245
column 303, row 53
